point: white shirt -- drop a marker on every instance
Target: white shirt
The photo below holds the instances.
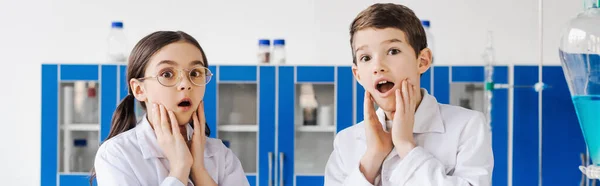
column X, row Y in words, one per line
column 134, row 158
column 453, row 149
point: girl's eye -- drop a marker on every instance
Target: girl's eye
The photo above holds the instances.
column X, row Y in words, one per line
column 365, row 58
column 393, row 51
column 195, row 73
column 167, row 74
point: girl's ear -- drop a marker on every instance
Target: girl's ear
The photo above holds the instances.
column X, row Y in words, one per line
column 139, row 92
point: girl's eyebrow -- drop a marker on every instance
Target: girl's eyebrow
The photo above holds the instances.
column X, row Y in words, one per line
column 169, row 62
column 197, row 62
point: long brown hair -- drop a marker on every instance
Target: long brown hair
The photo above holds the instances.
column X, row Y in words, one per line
column 124, row 117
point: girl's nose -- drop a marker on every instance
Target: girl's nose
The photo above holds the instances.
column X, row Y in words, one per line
column 185, row 84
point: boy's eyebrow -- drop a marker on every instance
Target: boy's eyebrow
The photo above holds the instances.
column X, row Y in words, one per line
column 394, row 40
column 360, row 48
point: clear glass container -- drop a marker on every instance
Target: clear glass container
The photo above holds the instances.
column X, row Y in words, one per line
column 580, row 57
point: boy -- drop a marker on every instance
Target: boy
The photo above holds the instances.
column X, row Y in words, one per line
column 411, row 139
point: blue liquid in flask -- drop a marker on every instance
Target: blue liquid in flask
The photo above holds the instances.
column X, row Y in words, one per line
column 588, row 112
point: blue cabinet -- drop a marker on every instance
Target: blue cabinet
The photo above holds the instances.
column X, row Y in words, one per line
column 240, row 107
column 256, row 111
column 61, row 125
column 304, row 148
column 251, row 108
column 258, row 116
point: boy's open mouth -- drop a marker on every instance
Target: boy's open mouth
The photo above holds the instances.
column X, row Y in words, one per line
column 384, row 86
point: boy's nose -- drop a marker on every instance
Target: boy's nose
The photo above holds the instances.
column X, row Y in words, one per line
column 379, row 65
column 379, row 69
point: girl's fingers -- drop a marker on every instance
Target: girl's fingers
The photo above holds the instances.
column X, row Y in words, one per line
column 164, row 121
column 174, row 124
column 201, row 118
column 156, row 120
column 197, row 126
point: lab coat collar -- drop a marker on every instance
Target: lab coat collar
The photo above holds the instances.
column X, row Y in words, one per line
column 427, row 117
column 149, row 145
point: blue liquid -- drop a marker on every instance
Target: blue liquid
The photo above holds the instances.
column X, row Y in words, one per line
column 588, row 112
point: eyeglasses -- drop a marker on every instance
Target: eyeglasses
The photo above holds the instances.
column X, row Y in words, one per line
column 170, row 76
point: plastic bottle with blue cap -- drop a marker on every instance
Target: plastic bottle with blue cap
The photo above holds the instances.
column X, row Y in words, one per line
column 117, row 44
column 430, row 44
column 78, row 156
column 264, row 51
column 279, row 51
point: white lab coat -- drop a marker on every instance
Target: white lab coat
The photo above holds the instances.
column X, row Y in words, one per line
column 453, row 149
column 134, row 158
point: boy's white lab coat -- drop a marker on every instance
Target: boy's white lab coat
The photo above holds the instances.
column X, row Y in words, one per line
column 453, row 148
column 134, row 158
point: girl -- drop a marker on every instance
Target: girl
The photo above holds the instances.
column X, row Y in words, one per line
column 167, row 73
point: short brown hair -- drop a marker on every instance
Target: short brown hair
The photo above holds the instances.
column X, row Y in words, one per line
column 390, row 15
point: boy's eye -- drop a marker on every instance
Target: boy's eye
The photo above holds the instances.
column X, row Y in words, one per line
column 393, row 51
column 365, row 58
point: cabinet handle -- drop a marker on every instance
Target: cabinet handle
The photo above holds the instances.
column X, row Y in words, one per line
column 270, row 168
column 280, row 168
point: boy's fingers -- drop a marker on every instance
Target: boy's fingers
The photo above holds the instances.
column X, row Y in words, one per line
column 405, row 96
column 368, row 111
column 399, row 103
column 413, row 103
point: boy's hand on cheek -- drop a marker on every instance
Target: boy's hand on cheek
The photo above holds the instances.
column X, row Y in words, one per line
column 404, row 119
column 379, row 142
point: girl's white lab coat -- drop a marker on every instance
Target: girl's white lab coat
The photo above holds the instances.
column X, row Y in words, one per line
column 134, row 158
column 453, row 148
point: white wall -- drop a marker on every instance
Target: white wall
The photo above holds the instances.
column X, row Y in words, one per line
column 72, row 31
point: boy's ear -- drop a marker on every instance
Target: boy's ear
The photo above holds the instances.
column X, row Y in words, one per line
column 424, row 59
column 139, row 92
column 355, row 73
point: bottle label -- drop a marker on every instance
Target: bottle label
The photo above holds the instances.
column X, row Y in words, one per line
column 264, row 57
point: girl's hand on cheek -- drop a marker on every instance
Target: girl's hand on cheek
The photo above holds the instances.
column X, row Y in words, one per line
column 171, row 142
